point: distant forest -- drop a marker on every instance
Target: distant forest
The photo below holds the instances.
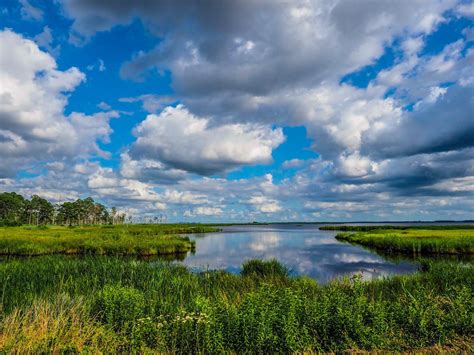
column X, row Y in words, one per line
column 16, row 210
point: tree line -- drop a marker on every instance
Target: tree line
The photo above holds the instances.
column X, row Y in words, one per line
column 17, row 210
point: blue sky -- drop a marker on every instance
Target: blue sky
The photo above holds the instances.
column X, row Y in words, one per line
column 241, row 111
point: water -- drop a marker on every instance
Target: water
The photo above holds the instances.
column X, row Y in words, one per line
column 305, row 249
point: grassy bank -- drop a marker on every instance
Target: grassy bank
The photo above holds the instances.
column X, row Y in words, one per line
column 91, row 304
column 415, row 240
column 369, row 228
column 98, row 240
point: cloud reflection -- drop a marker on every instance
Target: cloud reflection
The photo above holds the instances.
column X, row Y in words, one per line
column 305, row 250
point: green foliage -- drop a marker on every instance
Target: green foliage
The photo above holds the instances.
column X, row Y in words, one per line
column 98, row 240
column 11, row 207
column 166, row 308
column 369, row 228
column 416, row 241
column 9, row 223
column 119, row 306
column 264, row 268
column 16, row 210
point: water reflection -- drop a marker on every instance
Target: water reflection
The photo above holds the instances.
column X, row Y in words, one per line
column 304, row 248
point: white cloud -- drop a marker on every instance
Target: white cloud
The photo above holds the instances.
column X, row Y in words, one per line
column 149, row 170
column 203, row 211
column 292, row 163
column 184, row 197
column 104, row 106
column 354, row 165
column 466, row 9
column 464, row 184
column 265, row 204
column 187, row 142
column 237, row 80
column 33, row 96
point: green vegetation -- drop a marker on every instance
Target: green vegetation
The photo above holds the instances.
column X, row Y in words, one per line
column 123, row 304
column 99, row 240
column 416, row 240
column 369, row 228
column 15, row 210
column 55, row 304
column 264, row 268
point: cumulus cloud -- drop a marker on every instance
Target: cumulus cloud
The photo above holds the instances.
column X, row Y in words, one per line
column 149, row 170
column 230, row 52
column 264, row 204
column 443, row 123
column 184, row 197
column 301, row 43
column 184, row 141
column 33, row 96
column 240, row 69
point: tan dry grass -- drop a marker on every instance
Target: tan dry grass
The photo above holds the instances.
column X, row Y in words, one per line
column 54, row 327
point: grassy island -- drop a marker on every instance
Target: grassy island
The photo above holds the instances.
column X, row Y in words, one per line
column 421, row 240
column 99, row 240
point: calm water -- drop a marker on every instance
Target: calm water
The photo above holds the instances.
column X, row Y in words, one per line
column 304, row 248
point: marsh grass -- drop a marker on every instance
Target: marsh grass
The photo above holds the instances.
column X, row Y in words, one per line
column 369, row 228
column 261, row 268
column 415, row 241
column 100, row 240
column 55, row 303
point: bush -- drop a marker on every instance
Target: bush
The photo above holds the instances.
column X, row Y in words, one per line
column 119, row 306
column 264, row 268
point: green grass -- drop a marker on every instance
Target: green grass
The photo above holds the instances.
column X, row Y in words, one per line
column 99, row 240
column 415, row 240
column 264, row 268
column 369, row 228
column 92, row 304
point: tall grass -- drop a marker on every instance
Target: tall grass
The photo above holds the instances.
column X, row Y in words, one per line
column 415, row 241
column 93, row 304
column 101, row 240
column 264, row 268
column 369, row 228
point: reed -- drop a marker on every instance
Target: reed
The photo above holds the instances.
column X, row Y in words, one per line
column 59, row 303
column 99, row 240
column 369, row 228
column 415, row 241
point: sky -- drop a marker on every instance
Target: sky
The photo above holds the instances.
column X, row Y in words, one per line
column 237, row 111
